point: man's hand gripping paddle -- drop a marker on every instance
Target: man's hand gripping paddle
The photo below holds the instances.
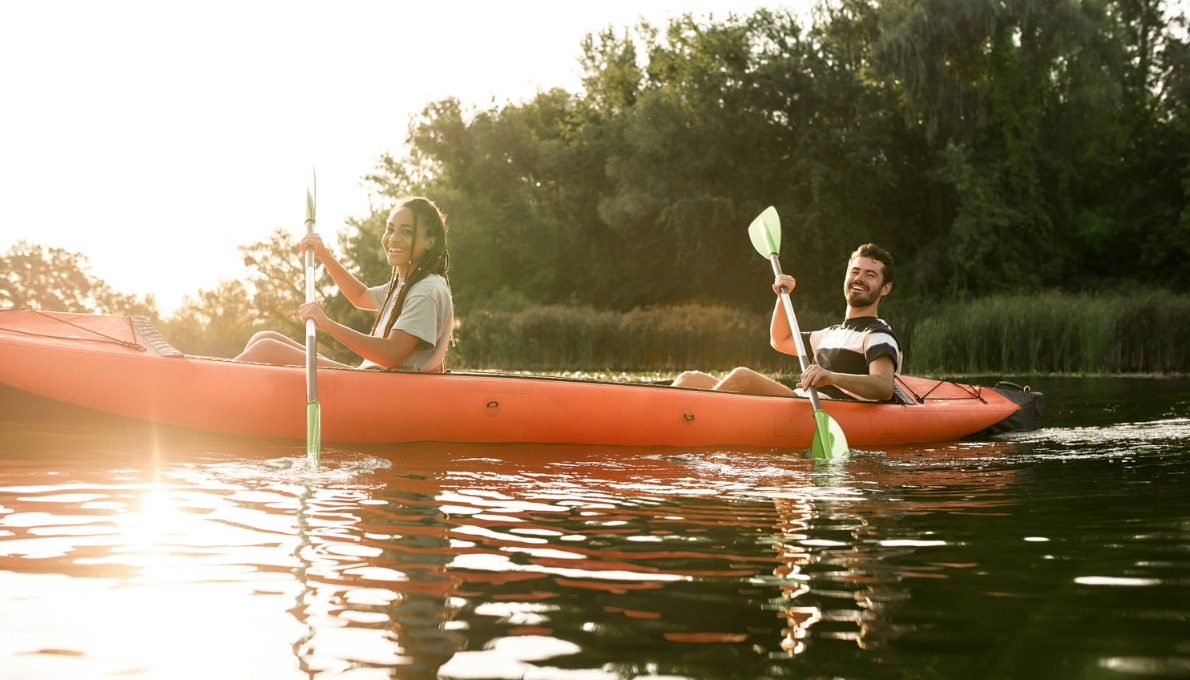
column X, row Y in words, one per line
column 313, row 409
column 829, row 441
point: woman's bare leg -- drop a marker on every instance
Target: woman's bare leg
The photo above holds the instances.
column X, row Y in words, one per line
column 281, row 350
column 273, row 335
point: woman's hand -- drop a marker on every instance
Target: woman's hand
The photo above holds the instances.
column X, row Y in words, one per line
column 784, row 281
column 312, row 310
column 314, row 241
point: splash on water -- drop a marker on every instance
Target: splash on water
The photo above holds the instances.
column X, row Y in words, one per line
column 1149, row 438
column 340, row 469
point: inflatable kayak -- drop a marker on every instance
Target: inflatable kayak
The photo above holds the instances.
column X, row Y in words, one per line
column 122, row 365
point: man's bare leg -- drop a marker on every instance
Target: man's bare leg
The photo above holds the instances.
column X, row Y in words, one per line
column 747, row 381
column 743, row 380
column 697, row 380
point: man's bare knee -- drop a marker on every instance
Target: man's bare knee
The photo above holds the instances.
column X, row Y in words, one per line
column 747, row 381
column 696, row 379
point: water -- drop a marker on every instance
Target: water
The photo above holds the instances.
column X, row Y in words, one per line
column 129, row 551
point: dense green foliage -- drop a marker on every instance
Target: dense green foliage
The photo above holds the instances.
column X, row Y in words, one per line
column 991, row 146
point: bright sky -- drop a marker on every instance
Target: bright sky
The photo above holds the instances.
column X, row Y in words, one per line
column 155, row 136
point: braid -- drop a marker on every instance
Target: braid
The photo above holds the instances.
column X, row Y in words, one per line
column 435, row 261
column 387, row 296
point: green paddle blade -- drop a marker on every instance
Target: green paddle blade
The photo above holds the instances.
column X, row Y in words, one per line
column 313, row 431
column 829, row 440
column 765, row 232
column 311, row 192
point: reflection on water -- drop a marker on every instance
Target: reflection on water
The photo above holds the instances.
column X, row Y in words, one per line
column 126, row 550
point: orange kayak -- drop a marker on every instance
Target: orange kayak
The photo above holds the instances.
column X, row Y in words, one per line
column 122, row 365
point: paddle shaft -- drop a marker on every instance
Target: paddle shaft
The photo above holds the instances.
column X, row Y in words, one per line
column 311, row 349
column 802, row 357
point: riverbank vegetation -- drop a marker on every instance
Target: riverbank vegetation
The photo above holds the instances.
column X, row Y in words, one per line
column 557, row 338
column 1142, row 332
column 1027, row 162
column 1056, row 333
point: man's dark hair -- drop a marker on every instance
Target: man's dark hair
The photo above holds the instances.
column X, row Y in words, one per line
column 880, row 255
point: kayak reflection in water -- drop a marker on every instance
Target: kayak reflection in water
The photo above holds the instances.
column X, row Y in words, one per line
column 413, row 330
column 856, row 359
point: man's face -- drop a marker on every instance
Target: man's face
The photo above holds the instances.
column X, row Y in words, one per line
column 864, row 284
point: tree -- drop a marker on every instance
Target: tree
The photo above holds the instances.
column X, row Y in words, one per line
column 54, row 279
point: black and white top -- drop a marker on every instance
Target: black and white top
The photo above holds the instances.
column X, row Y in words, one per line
column 849, row 347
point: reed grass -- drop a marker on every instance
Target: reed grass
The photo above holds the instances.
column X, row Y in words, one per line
column 1055, row 333
column 1018, row 334
column 554, row 338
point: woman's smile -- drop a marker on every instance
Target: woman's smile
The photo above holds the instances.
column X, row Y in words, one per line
column 396, row 252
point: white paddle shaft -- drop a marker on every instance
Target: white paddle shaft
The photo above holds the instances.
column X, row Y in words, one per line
column 311, row 345
column 802, row 357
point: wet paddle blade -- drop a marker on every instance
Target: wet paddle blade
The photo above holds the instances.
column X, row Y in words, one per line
column 829, row 440
column 765, row 232
column 313, row 432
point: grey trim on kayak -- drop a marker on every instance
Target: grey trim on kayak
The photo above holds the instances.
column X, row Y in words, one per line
column 152, row 337
column 901, row 396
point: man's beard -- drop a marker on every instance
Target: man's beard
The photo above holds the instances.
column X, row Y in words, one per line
column 860, row 299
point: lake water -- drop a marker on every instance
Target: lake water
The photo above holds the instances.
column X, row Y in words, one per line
column 130, row 551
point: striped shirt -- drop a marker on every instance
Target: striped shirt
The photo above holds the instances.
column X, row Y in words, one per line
column 850, row 347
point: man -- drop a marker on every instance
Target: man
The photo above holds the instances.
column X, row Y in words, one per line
column 856, row 359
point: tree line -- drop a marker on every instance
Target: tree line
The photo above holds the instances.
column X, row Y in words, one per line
column 994, row 146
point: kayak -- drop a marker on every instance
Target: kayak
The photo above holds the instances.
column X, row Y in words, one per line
column 122, row 365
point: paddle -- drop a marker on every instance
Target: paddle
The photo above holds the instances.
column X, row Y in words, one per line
column 313, row 409
column 829, row 441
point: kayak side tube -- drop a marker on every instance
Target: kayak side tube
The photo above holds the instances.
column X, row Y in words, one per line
column 127, row 377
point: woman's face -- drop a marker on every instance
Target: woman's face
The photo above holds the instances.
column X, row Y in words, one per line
column 398, row 240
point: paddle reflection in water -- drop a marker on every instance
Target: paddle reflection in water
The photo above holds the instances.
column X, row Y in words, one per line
column 358, row 613
column 843, row 548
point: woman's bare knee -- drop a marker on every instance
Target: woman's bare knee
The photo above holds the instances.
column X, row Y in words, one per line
column 268, row 335
column 274, row 337
column 271, row 351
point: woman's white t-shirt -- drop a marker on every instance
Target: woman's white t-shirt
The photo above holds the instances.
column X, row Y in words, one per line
column 428, row 316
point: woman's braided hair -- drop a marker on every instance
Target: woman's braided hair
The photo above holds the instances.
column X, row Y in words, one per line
column 436, row 260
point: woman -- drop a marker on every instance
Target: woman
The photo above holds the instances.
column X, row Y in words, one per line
column 412, row 331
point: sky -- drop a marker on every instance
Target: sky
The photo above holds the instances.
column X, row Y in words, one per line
column 155, row 137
